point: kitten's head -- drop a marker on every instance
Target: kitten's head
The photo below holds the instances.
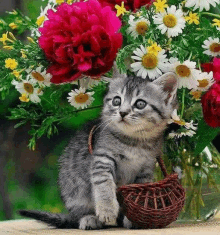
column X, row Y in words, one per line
column 138, row 107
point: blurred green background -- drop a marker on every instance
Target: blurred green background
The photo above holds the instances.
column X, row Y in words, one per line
column 28, row 179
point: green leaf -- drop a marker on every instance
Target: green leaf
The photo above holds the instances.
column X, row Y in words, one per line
column 205, row 135
column 20, row 124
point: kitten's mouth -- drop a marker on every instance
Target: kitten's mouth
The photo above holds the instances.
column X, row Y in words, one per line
column 123, row 121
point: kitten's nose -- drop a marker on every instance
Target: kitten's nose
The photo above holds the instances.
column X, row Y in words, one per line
column 123, row 114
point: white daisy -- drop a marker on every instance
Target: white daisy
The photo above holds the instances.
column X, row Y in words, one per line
column 80, row 98
column 212, row 46
column 191, row 126
column 175, row 118
column 27, row 87
column 186, row 128
column 149, row 64
column 182, row 133
column 42, row 77
column 172, row 21
column 205, row 81
column 186, row 73
column 137, row 27
column 201, row 4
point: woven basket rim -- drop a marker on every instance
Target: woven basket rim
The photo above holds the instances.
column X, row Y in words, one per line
column 170, row 177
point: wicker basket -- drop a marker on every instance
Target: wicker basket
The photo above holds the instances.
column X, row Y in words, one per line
column 150, row 205
column 153, row 205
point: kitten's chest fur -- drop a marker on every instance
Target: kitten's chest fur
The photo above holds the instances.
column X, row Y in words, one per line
column 134, row 157
column 130, row 163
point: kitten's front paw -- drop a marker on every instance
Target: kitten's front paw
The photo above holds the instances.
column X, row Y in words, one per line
column 127, row 223
column 89, row 222
column 108, row 215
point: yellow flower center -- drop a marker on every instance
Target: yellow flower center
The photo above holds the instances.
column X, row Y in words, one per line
column 180, row 122
column 81, row 98
column 183, row 71
column 215, row 47
column 203, row 83
column 29, row 88
column 196, row 94
column 40, row 20
column 149, row 61
column 141, row 28
column 170, row 20
column 37, row 76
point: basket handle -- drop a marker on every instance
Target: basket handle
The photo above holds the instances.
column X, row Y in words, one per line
column 162, row 166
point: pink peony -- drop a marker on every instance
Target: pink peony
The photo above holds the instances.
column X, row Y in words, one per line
column 211, row 105
column 81, row 38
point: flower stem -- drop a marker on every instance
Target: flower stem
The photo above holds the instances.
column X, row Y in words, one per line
column 183, row 102
column 211, row 14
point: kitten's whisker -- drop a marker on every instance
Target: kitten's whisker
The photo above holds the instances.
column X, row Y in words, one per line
column 107, row 125
column 102, row 123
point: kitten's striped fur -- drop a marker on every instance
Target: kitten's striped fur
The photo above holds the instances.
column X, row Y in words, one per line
column 124, row 152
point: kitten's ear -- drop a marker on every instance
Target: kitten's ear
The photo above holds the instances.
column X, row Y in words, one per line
column 168, row 83
column 116, row 73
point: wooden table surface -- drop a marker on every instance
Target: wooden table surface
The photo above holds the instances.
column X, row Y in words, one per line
column 25, row 227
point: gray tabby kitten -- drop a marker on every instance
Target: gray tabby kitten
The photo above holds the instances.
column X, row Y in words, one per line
column 127, row 139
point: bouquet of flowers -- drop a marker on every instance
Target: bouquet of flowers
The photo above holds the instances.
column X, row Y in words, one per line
column 62, row 70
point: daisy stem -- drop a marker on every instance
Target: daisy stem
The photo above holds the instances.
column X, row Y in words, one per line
column 78, row 111
column 183, row 102
column 211, row 14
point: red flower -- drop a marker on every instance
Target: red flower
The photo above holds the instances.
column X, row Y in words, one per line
column 129, row 4
column 211, row 105
column 81, row 38
column 207, row 67
column 214, row 67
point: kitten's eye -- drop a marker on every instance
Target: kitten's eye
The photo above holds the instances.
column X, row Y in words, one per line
column 116, row 101
column 140, row 104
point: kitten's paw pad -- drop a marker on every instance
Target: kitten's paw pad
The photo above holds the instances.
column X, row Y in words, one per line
column 107, row 217
column 90, row 222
